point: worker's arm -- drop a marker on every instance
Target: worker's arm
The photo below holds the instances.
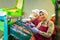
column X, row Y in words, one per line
column 49, row 31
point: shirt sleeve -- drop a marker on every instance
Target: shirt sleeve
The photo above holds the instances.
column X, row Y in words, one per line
column 49, row 31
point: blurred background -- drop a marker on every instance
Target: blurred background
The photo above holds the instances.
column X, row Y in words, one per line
column 30, row 5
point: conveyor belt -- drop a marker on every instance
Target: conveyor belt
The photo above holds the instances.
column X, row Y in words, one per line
column 19, row 32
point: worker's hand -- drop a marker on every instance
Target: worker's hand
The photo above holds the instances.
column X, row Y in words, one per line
column 27, row 25
column 23, row 20
column 32, row 24
column 35, row 30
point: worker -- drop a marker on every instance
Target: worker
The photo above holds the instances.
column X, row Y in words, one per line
column 36, row 15
column 45, row 28
column 54, row 33
column 35, row 18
